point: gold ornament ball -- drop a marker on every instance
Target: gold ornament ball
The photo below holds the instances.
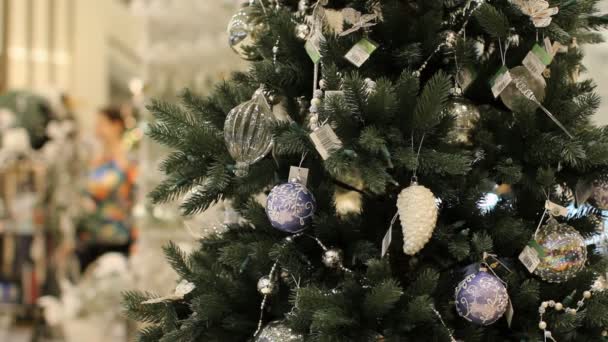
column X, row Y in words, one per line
column 512, row 97
column 466, row 115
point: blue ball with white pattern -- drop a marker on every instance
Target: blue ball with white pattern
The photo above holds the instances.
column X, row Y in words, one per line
column 290, row 207
column 481, row 298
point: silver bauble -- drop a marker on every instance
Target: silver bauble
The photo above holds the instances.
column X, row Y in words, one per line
column 466, row 115
column 418, row 212
column 449, row 38
column 248, row 132
column 278, row 332
column 266, row 286
column 565, row 252
column 512, row 96
column 302, row 31
column 332, row 258
column 240, row 31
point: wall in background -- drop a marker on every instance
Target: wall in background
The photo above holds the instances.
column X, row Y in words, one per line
column 73, row 46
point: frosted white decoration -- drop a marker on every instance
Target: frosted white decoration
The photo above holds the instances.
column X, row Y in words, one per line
column 417, row 210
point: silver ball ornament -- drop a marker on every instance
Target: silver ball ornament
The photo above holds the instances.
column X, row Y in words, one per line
column 277, row 331
column 240, row 31
column 302, row 31
column 512, row 96
column 266, row 286
column 449, row 38
column 466, row 115
column 323, row 84
column 332, row 258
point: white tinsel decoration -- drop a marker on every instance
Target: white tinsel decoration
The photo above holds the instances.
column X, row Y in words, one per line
column 418, row 213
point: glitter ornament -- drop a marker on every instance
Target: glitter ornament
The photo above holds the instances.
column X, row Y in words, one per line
column 248, row 133
column 332, row 258
column 418, row 213
column 466, row 115
column 565, row 252
column 278, row 332
column 240, row 31
column 512, row 96
column 290, row 207
column 481, row 298
column 266, row 286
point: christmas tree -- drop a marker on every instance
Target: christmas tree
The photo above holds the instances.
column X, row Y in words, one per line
column 461, row 125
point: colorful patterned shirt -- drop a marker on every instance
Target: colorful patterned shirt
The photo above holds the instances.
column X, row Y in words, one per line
column 111, row 186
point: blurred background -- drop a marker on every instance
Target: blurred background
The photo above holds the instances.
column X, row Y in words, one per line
column 74, row 79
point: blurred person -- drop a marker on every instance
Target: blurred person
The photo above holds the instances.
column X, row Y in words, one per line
column 109, row 193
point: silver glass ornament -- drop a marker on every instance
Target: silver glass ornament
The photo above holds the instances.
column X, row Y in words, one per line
column 332, row 258
column 266, row 286
column 240, row 31
column 278, row 332
column 466, row 115
column 248, row 132
column 565, row 252
column 512, row 96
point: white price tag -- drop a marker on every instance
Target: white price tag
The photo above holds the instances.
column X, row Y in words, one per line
column 529, row 257
column 361, row 52
column 533, row 64
column 501, row 81
column 326, row 141
column 509, row 313
column 556, row 209
column 299, row 173
column 386, row 241
column 313, row 47
column 331, row 93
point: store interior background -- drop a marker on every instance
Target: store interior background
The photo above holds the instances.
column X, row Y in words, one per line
column 128, row 51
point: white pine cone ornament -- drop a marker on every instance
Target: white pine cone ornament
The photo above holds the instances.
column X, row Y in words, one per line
column 418, row 213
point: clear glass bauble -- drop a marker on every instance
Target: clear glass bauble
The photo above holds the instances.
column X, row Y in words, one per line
column 565, row 252
column 466, row 115
column 512, row 97
column 240, row 31
column 248, row 132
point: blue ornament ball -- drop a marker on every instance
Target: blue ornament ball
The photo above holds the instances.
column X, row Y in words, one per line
column 290, row 207
column 481, row 298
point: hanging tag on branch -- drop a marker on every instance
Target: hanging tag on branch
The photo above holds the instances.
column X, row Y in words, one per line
column 529, row 256
column 537, row 60
column 556, row 209
column 326, row 141
column 388, row 237
column 313, row 46
column 299, row 173
column 549, row 46
column 509, row 313
column 331, row 93
column 361, row 52
column 500, row 81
